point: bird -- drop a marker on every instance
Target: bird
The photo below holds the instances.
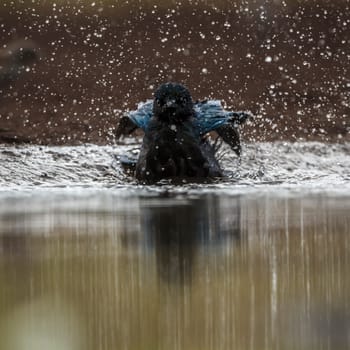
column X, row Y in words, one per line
column 175, row 143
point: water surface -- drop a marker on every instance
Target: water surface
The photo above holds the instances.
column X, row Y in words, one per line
column 107, row 269
column 310, row 165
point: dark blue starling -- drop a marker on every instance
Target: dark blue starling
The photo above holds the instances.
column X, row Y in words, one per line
column 174, row 144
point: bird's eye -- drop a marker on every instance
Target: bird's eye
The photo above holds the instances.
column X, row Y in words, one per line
column 158, row 102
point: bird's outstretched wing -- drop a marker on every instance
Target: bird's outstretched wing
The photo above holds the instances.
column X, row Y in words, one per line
column 209, row 116
column 142, row 115
column 133, row 120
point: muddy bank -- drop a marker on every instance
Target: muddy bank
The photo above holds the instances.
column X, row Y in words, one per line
column 286, row 62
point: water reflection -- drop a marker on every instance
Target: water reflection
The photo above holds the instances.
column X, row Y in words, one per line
column 177, row 230
column 101, row 272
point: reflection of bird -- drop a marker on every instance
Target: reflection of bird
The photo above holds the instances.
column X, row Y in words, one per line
column 178, row 229
column 174, row 145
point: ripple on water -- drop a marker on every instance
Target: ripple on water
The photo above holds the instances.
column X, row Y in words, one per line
column 263, row 165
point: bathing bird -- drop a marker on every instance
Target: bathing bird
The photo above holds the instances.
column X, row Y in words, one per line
column 175, row 143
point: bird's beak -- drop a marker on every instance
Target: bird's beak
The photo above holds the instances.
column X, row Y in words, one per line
column 170, row 103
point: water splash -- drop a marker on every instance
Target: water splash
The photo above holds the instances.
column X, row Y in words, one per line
column 274, row 165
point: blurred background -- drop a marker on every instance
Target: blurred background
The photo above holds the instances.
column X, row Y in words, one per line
column 69, row 69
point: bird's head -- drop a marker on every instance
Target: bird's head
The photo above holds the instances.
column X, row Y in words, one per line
column 172, row 103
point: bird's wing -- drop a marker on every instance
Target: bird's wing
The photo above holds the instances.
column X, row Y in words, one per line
column 142, row 115
column 210, row 115
column 133, row 120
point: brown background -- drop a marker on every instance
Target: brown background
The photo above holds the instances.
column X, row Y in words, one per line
column 98, row 59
